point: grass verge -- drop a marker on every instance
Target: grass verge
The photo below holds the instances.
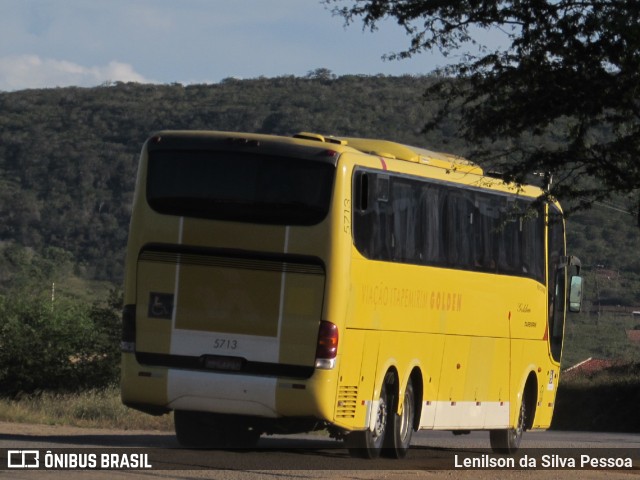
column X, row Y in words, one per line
column 92, row 409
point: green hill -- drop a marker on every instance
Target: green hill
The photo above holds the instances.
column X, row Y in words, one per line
column 68, row 156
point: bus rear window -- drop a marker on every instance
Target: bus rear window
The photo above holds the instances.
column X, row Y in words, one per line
column 239, row 187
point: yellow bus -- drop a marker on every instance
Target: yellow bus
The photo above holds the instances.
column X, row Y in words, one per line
column 284, row 285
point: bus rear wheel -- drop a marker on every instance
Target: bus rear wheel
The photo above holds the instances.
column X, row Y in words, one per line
column 193, row 430
column 400, row 429
column 368, row 443
column 208, row 430
column 508, row 440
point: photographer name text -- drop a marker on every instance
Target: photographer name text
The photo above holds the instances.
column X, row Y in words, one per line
column 545, row 461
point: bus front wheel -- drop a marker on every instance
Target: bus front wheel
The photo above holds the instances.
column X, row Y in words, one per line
column 508, row 440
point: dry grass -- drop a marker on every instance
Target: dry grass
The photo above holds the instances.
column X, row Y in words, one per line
column 93, row 409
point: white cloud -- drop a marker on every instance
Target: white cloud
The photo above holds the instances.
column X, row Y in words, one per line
column 48, row 43
column 31, row 71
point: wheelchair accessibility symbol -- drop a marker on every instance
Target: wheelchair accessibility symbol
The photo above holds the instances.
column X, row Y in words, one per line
column 160, row 305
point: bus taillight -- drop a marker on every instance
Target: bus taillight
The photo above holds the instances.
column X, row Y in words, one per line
column 327, row 347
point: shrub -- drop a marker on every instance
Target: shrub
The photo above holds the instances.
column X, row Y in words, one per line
column 66, row 346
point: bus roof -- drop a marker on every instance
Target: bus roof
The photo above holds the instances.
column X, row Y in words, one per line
column 388, row 149
column 417, row 155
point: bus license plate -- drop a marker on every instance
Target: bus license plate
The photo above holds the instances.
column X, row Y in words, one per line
column 223, row 363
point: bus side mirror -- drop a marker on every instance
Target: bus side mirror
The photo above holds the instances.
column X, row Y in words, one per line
column 575, row 294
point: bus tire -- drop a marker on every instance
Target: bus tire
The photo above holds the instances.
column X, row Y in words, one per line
column 400, row 427
column 208, row 430
column 193, row 430
column 508, row 440
column 241, row 436
column 368, row 443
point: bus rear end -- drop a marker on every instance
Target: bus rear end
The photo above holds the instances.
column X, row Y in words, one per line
column 225, row 286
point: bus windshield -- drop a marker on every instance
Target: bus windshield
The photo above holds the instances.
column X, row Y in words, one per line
column 239, row 187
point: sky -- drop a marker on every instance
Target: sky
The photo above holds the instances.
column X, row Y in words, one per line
column 57, row 43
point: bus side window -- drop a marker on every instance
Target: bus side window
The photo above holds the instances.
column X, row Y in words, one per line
column 361, row 191
column 458, row 218
column 533, row 244
column 557, row 274
column 408, row 220
column 373, row 215
column 432, row 203
column 484, row 227
column 363, row 216
column 406, row 228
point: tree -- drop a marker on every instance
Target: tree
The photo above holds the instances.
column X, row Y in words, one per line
column 561, row 95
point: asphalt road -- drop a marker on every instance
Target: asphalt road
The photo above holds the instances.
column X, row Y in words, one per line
column 433, row 455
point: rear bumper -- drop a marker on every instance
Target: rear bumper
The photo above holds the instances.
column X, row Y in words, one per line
column 154, row 389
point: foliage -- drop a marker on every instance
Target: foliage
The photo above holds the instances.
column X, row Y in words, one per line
column 23, row 270
column 568, row 71
column 68, row 156
column 598, row 336
column 60, row 346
